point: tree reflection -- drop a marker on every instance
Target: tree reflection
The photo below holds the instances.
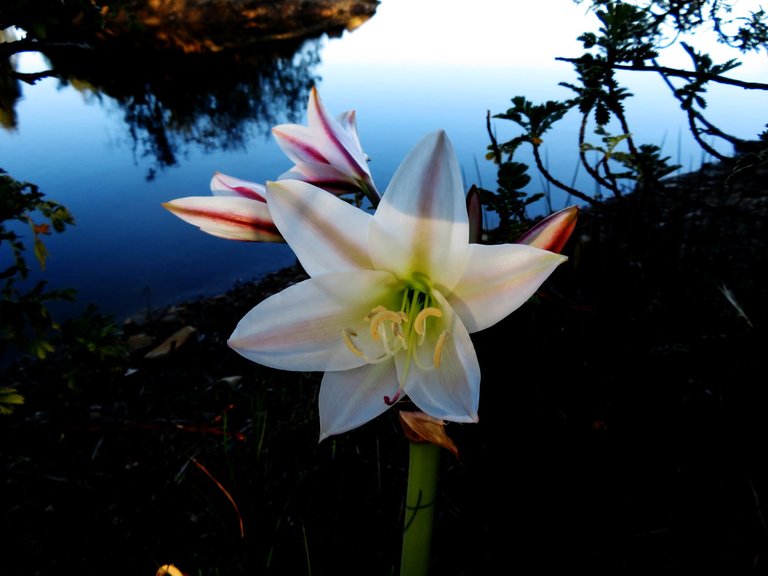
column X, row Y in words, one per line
column 182, row 74
column 9, row 85
column 214, row 101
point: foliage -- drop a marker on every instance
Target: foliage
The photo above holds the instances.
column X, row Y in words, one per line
column 90, row 346
column 25, row 321
column 9, row 398
column 510, row 200
column 632, row 36
column 93, row 349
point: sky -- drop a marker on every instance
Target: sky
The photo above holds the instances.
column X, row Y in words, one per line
column 481, row 33
column 496, row 33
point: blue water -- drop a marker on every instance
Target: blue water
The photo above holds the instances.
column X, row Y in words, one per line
column 126, row 252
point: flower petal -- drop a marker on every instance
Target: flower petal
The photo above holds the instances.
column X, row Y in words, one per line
column 223, row 185
column 348, row 121
column 324, row 176
column 475, row 214
column 230, row 217
column 299, row 143
column 552, row 232
column 421, row 223
column 302, row 327
column 341, row 147
column 498, row 279
column 326, row 233
column 452, row 390
column 351, row 398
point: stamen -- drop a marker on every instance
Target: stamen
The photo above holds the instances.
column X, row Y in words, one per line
column 347, row 334
column 398, row 332
column 439, row 347
column 404, row 329
column 380, row 317
column 385, row 340
column 421, row 320
column 373, row 312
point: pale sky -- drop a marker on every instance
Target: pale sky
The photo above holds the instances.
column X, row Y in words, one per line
column 494, row 33
column 524, row 34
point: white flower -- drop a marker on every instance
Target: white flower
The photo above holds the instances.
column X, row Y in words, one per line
column 392, row 297
column 327, row 153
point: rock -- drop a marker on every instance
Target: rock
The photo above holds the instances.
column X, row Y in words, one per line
column 172, row 343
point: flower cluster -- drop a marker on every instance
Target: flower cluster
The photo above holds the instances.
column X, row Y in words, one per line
column 392, row 296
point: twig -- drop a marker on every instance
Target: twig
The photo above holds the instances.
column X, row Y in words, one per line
column 678, row 73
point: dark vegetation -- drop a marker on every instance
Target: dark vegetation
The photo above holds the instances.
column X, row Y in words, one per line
column 622, row 429
column 623, row 408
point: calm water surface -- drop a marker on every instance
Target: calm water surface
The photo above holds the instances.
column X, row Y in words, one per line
column 406, row 73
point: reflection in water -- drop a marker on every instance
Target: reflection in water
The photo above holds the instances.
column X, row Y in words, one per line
column 10, row 91
column 215, row 101
column 172, row 95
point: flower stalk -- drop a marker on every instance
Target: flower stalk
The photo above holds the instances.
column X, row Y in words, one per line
column 423, row 465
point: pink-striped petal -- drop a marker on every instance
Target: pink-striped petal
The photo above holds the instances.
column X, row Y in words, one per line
column 324, row 176
column 552, row 232
column 335, row 143
column 230, row 217
column 299, row 143
column 223, row 185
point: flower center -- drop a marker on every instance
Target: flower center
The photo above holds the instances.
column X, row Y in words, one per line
column 405, row 329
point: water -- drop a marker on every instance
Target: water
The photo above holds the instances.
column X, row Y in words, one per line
column 113, row 147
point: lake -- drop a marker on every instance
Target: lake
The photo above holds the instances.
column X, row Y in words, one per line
column 113, row 153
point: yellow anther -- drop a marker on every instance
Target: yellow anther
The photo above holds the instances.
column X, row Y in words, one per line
column 421, row 319
column 347, row 335
column 383, row 316
column 373, row 312
column 439, row 348
column 399, row 330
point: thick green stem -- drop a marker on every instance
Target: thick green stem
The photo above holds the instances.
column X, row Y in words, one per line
column 423, row 465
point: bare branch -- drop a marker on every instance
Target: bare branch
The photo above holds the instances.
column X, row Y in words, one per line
column 556, row 182
column 680, row 74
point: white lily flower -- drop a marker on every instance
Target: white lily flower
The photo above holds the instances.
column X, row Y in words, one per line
column 392, row 297
column 327, row 154
column 327, row 151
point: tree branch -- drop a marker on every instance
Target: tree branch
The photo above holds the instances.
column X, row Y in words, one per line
column 32, row 77
column 678, row 73
column 583, row 157
column 27, row 45
column 556, row 182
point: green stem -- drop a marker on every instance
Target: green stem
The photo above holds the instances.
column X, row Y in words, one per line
column 423, row 465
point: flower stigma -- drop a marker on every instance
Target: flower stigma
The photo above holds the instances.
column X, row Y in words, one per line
column 403, row 330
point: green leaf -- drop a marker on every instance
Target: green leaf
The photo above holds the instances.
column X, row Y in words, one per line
column 9, row 398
